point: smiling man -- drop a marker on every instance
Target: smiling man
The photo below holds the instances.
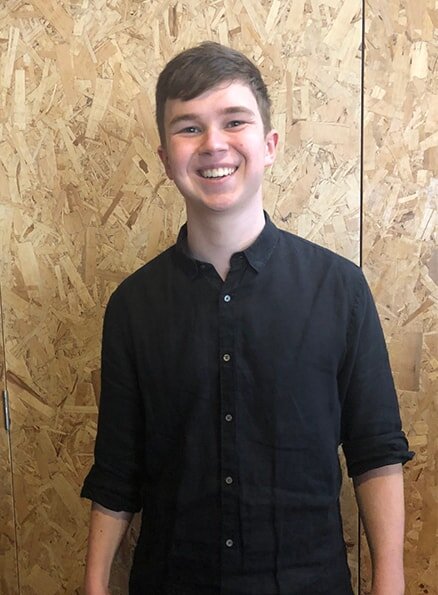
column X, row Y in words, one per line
column 215, row 148
column 234, row 365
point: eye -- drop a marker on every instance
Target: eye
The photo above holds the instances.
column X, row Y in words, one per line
column 190, row 130
column 235, row 123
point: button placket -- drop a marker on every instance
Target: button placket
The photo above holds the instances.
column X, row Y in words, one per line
column 229, row 507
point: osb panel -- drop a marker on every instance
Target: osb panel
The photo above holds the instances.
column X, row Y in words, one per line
column 8, row 561
column 400, row 251
column 85, row 202
column 8, row 565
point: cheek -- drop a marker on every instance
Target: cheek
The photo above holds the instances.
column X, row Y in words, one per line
column 180, row 158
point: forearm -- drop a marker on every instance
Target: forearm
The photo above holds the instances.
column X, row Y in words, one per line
column 380, row 498
column 106, row 532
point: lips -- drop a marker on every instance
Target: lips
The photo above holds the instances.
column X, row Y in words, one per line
column 216, row 172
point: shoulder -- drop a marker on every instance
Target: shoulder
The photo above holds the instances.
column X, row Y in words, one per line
column 143, row 282
column 318, row 261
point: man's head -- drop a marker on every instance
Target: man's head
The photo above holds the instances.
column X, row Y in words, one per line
column 201, row 68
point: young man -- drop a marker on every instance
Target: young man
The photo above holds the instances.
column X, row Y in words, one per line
column 233, row 366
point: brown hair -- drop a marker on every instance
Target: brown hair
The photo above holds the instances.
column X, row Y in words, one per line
column 198, row 69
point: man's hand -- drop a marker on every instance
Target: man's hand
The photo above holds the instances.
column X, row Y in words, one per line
column 107, row 529
column 380, row 498
column 391, row 589
column 96, row 590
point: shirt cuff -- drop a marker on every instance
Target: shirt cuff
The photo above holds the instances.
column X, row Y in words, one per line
column 99, row 487
column 376, row 451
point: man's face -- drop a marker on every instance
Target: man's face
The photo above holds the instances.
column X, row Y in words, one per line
column 216, row 149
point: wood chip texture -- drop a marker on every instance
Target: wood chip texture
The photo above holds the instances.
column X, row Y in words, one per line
column 84, row 202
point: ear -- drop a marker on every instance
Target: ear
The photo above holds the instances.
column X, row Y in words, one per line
column 164, row 156
column 271, row 142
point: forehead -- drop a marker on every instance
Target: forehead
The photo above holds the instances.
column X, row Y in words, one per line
column 224, row 98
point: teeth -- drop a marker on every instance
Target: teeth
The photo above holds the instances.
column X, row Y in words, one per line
column 220, row 172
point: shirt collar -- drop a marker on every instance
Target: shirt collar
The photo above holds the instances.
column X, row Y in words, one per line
column 261, row 249
column 257, row 254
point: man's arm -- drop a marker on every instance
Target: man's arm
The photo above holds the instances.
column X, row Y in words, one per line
column 380, row 498
column 107, row 529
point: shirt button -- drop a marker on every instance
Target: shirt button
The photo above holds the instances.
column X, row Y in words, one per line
column 226, row 357
column 229, row 480
column 227, row 298
column 228, row 417
column 229, row 543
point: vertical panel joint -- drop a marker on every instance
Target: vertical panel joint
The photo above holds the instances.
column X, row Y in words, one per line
column 6, row 411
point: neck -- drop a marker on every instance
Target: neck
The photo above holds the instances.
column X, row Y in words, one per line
column 215, row 237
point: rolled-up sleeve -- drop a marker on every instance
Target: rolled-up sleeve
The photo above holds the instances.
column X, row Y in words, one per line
column 115, row 479
column 371, row 432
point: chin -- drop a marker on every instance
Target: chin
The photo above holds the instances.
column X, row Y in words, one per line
column 211, row 203
column 221, row 206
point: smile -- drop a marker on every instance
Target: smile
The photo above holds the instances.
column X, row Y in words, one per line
column 219, row 172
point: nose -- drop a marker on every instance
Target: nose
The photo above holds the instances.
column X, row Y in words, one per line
column 213, row 141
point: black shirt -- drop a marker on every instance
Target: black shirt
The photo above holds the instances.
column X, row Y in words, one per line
column 222, row 409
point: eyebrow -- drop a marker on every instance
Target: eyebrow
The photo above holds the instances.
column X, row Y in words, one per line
column 233, row 109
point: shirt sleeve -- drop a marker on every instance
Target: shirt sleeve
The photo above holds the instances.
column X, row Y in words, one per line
column 115, row 479
column 371, row 432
